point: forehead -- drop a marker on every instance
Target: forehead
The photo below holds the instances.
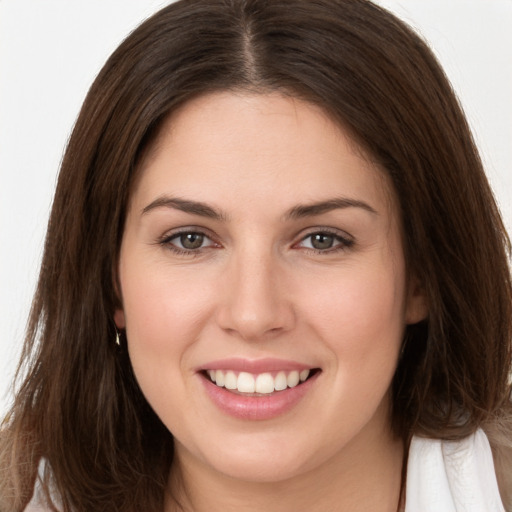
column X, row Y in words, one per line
column 212, row 110
column 228, row 140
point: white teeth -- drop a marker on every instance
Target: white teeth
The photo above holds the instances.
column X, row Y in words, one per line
column 245, row 383
column 304, row 374
column 280, row 382
column 293, row 379
column 230, row 380
column 219, row 378
column 263, row 383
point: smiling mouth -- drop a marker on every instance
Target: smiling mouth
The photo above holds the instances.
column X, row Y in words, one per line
column 261, row 384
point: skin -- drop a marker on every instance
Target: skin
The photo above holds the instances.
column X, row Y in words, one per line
column 258, row 288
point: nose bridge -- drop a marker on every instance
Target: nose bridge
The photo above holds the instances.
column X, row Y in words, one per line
column 255, row 304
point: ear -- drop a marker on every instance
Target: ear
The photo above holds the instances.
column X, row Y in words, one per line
column 417, row 304
column 119, row 319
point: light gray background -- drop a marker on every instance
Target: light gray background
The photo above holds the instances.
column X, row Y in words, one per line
column 51, row 50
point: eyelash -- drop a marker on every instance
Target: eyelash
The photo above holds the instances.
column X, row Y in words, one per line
column 344, row 242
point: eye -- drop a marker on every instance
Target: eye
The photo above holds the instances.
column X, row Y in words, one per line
column 325, row 241
column 187, row 242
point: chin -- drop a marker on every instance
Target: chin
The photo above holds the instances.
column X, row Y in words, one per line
column 270, row 470
column 271, row 459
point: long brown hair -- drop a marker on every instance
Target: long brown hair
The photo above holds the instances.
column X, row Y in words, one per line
column 79, row 407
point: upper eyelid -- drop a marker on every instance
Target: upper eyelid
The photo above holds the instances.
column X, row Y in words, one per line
column 171, row 233
column 331, row 231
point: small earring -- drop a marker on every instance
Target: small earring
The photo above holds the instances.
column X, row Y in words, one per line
column 402, row 348
column 118, row 337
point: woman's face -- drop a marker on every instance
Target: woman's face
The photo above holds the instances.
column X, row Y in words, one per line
column 262, row 248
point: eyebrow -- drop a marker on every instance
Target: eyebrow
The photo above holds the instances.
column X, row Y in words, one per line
column 297, row 212
column 310, row 210
column 187, row 206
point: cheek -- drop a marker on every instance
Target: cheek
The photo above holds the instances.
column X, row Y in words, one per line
column 360, row 314
column 164, row 318
column 361, row 322
column 164, row 314
column 156, row 300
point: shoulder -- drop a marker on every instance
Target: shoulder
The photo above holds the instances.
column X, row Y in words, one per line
column 35, row 507
column 38, row 503
column 450, row 476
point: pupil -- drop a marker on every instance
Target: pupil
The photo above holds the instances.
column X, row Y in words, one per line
column 191, row 240
column 322, row 241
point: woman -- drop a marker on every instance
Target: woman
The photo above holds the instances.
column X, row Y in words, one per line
column 275, row 278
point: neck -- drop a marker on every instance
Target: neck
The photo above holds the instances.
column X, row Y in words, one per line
column 363, row 477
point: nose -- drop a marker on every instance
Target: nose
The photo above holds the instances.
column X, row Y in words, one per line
column 254, row 301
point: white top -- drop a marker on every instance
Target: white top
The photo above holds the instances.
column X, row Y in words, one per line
column 456, row 476
column 442, row 476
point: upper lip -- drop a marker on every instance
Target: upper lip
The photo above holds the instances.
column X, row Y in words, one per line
column 255, row 366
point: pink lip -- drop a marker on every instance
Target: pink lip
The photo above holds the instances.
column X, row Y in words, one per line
column 256, row 407
column 254, row 366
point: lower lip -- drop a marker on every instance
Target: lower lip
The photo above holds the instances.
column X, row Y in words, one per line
column 263, row 407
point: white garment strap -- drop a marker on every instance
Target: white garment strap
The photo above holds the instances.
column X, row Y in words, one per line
column 445, row 476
